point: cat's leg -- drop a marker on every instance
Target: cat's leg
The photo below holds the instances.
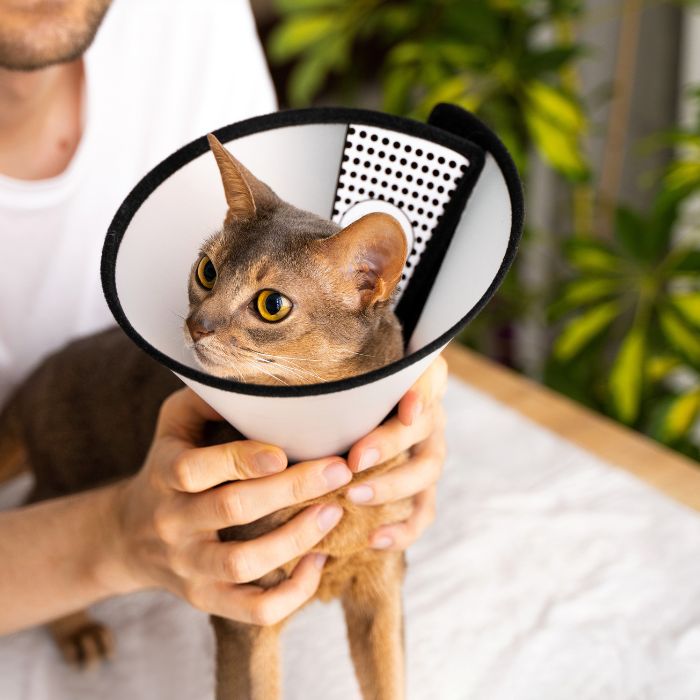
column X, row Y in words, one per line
column 247, row 661
column 373, row 612
column 82, row 640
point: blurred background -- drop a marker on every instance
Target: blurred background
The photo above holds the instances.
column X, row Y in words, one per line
column 598, row 101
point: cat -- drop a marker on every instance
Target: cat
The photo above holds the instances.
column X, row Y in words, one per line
column 275, row 283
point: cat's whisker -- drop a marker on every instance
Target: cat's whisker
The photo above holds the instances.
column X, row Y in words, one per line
column 219, row 354
column 299, row 371
column 284, row 362
column 303, row 372
column 304, row 358
column 225, row 358
column 285, row 357
column 307, row 359
column 275, row 377
column 355, row 352
column 264, row 357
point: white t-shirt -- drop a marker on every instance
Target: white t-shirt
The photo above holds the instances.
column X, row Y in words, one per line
column 159, row 74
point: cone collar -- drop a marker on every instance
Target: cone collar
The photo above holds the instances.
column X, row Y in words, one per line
column 339, row 150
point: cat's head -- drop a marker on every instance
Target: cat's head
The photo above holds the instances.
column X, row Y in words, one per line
column 282, row 296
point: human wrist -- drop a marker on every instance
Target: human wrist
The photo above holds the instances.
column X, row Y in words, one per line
column 113, row 571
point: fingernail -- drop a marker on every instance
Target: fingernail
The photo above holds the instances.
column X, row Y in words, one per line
column 361, row 494
column 320, row 560
column 268, row 462
column 417, row 410
column 368, row 458
column 382, row 542
column 329, row 516
column 336, row 475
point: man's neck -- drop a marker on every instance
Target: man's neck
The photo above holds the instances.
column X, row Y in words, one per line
column 39, row 120
column 23, row 94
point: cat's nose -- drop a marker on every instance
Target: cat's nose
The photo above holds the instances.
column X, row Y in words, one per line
column 199, row 328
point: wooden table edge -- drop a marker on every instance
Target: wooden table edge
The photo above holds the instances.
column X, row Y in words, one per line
column 666, row 470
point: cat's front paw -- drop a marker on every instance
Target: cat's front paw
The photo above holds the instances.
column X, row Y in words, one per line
column 83, row 642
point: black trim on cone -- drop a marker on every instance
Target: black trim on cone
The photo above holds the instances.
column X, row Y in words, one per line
column 448, row 125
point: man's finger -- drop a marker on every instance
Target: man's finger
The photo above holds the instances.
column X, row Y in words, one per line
column 202, row 468
column 245, row 561
column 420, row 472
column 243, row 502
column 429, row 388
column 400, row 536
column 390, row 439
column 257, row 606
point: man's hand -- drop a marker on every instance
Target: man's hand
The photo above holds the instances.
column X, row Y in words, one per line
column 418, row 427
column 170, row 512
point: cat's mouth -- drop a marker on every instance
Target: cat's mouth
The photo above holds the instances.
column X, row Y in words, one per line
column 215, row 362
column 248, row 367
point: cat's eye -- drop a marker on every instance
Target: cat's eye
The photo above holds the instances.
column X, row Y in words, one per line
column 272, row 306
column 206, row 272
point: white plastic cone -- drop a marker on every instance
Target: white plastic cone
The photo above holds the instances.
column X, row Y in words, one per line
column 452, row 185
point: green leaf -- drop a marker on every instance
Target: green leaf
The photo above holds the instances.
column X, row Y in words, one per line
column 576, row 379
column 592, row 257
column 452, row 90
column 584, row 328
column 661, row 222
column 687, row 260
column 474, row 22
column 398, row 86
column 659, row 366
column 683, row 176
column 549, row 60
column 559, row 148
column 630, row 232
column 306, row 79
column 459, row 55
column 583, row 291
column 298, row 34
column 556, row 107
column 688, row 304
column 626, row 375
column 396, row 21
column 556, row 122
column 407, row 52
column 676, row 137
column 679, row 416
column 680, row 336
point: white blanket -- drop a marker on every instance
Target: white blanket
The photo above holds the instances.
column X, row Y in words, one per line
column 548, row 575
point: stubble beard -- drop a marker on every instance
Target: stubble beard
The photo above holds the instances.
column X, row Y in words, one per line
column 34, row 39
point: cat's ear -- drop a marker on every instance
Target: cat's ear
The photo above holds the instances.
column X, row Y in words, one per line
column 245, row 194
column 372, row 252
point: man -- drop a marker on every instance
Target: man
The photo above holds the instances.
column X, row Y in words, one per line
column 79, row 125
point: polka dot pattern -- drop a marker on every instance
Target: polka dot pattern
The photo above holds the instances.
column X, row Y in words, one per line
column 417, row 176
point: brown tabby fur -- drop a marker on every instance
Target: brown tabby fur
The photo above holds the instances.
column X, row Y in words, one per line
column 341, row 283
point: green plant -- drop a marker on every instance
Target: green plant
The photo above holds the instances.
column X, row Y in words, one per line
column 488, row 56
column 633, row 308
column 683, row 175
column 485, row 55
column 630, row 310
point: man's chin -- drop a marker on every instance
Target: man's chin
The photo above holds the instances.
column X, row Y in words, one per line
column 51, row 33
